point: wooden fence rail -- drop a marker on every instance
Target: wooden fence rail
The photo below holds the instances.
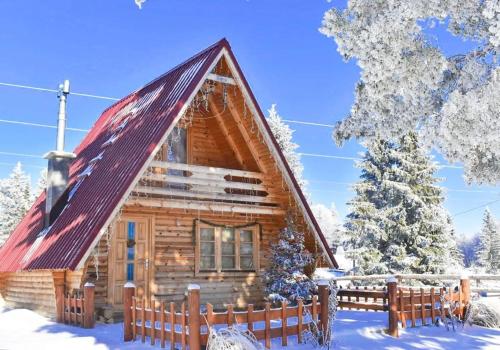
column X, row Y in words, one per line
column 75, row 309
column 189, row 327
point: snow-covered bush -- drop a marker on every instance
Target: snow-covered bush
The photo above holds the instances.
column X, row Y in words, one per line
column 285, row 276
column 232, row 338
column 482, row 314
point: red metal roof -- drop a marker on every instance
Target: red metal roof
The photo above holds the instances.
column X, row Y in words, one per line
column 113, row 152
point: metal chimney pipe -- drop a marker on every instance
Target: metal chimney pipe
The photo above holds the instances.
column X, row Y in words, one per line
column 61, row 120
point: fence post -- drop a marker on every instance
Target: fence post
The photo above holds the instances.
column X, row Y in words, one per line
column 465, row 292
column 88, row 307
column 392, row 289
column 324, row 294
column 128, row 295
column 194, row 316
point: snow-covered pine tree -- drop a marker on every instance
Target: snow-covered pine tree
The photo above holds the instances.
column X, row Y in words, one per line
column 42, row 182
column 488, row 253
column 15, row 200
column 365, row 223
column 420, row 235
column 285, row 276
column 328, row 220
column 398, row 222
column 283, row 135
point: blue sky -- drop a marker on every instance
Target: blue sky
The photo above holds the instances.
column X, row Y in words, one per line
column 110, row 48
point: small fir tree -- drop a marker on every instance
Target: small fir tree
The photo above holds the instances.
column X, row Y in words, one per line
column 15, row 200
column 41, row 185
column 488, row 253
column 285, row 277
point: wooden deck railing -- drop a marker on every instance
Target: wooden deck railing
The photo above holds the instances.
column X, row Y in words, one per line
column 198, row 187
column 189, row 327
column 363, row 298
column 76, row 309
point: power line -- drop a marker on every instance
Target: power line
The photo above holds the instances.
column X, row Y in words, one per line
column 309, row 123
column 19, row 122
column 21, row 154
column 475, row 208
column 23, row 164
column 56, row 91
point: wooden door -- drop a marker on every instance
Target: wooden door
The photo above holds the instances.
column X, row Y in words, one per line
column 130, row 258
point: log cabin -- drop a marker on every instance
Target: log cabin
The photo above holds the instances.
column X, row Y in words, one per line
column 179, row 182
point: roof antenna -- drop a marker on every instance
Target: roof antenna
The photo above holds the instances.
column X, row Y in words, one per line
column 59, row 161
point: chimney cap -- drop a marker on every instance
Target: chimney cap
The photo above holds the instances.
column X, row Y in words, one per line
column 59, row 154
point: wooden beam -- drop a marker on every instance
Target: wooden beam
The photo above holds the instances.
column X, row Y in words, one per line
column 225, row 132
column 196, row 205
column 203, row 195
column 205, row 182
column 244, row 133
column 207, row 169
column 221, row 79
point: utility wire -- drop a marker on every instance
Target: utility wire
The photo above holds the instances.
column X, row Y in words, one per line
column 56, row 91
column 475, row 208
column 19, row 122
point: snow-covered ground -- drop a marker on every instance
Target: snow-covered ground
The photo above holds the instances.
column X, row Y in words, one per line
column 24, row 329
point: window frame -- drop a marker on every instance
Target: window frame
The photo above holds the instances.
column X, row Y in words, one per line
column 255, row 228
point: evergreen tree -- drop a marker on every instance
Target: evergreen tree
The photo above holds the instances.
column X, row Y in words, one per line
column 285, row 276
column 42, row 182
column 398, row 222
column 283, row 135
column 328, row 220
column 15, row 200
column 489, row 246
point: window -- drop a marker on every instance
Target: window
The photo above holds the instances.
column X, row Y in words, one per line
column 226, row 248
column 130, row 250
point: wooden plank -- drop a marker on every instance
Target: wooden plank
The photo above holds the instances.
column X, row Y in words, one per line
column 300, row 312
column 207, row 170
column 284, row 340
column 422, row 306
column 162, row 324
column 153, row 321
column 314, row 307
column 413, row 322
column 433, row 311
column 222, row 183
column 268, row 326
column 250, row 317
column 198, row 205
column 172, row 326
column 230, row 316
column 183, row 325
column 402, row 315
column 143, row 321
column 203, row 195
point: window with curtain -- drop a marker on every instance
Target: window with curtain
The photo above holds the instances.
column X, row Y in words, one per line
column 226, row 248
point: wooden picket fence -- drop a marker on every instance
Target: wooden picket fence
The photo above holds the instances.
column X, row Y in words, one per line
column 362, row 298
column 408, row 307
column 76, row 309
column 161, row 322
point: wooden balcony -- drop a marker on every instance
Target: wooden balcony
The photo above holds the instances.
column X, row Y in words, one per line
column 184, row 186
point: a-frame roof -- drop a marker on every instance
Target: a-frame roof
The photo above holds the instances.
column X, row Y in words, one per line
column 110, row 160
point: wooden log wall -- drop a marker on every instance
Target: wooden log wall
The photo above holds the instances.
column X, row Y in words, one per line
column 31, row 290
column 174, row 258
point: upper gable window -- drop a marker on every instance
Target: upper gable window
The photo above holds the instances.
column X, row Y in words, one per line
column 177, row 146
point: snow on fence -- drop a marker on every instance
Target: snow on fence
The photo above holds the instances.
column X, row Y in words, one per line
column 75, row 309
column 190, row 327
